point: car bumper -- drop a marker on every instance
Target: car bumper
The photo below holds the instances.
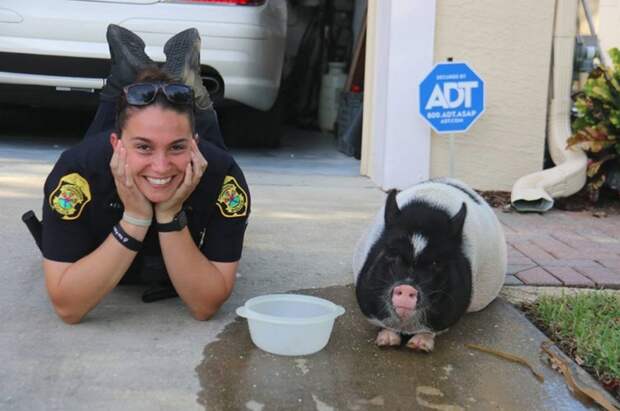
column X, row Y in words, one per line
column 247, row 56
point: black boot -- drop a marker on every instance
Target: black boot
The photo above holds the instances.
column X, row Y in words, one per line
column 183, row 63
column 127, row 57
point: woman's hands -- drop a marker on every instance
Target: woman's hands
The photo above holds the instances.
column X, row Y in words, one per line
column 135, row 203
column 166, row 210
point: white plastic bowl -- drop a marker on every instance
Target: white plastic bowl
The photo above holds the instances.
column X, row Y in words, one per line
column 290, row 324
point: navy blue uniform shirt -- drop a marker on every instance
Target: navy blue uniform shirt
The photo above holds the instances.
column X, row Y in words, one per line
column 81, row 205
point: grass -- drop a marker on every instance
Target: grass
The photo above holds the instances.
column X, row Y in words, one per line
column 587, row 327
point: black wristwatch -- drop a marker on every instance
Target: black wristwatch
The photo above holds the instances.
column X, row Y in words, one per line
column 177, row 224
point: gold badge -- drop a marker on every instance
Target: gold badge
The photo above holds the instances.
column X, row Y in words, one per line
column 232, row 200
column 70, row 196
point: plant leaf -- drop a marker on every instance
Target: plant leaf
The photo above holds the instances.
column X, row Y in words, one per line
column 595, row 166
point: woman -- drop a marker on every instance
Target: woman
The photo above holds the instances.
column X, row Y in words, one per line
column 144, row 198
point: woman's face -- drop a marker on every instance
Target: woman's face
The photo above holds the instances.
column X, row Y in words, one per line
column 158, row 144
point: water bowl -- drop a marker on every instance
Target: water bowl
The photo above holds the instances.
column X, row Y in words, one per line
column 290, row 324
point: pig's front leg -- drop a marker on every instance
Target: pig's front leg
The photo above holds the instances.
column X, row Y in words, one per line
column 387, row 338
column 424, row 341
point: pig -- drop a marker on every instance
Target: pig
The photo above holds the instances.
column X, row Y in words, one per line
column 433, row 252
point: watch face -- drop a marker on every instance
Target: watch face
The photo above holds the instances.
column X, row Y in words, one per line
column 177, row 224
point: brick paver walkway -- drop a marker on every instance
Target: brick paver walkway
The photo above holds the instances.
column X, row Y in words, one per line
column 561, row 248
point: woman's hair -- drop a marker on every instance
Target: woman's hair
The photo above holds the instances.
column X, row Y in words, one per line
column 151, row 75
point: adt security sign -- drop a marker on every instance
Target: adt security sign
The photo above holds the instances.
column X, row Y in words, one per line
column 451, row 97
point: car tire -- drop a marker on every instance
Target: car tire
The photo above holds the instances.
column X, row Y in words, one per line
column 243, row 126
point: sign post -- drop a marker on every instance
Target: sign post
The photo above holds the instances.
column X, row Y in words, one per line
column 451, row 149
column 451, row 99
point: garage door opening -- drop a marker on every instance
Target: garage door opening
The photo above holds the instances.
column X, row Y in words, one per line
column 321, row 93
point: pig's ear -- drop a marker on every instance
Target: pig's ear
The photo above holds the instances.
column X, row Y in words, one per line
column 456, row 222
column 391, row 208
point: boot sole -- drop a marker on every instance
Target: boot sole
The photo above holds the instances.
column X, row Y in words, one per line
column 128, row 47
column 183, row 57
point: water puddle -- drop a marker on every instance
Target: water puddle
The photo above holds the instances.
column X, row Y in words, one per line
column 352, row 373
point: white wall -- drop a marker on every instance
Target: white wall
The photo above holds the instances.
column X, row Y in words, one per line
column 508, row 43
column 608, row 29
column 399, row 55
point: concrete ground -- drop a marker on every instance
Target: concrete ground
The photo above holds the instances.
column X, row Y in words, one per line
column 309, row 208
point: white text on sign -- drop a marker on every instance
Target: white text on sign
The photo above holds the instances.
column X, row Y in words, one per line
column 442, row 98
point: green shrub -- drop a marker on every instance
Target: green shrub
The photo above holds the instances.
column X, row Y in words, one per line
column 596, row 127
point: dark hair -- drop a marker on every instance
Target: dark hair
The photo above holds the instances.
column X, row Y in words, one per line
column 151, row 75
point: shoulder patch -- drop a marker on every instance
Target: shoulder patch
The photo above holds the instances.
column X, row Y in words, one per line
column 232, row 200
column 70, row 196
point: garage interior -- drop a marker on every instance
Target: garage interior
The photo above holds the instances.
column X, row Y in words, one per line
column 321, row 93
column 317, row 115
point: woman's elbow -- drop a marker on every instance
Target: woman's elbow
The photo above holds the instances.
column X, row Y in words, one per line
column 68, row 316
column 201, row 316
column 204, row 313
column 68, row 312
column 207, row 311
column 65, row 312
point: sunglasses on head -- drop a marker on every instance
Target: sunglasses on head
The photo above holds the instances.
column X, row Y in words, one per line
column 142, row 94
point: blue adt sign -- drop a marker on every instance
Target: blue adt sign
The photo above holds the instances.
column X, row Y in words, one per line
column 451, row 97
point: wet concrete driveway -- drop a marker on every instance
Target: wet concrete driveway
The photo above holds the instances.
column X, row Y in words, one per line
column 351, row 373
column 309, row 209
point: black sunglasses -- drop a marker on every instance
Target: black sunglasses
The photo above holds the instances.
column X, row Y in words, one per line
column 143, row 94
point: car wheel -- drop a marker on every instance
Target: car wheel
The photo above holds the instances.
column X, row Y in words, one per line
column 243, row 126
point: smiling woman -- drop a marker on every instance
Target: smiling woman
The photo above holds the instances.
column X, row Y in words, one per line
column 151, row 195
column 158, row 144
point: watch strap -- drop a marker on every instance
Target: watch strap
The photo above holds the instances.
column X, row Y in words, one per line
column 177, row 224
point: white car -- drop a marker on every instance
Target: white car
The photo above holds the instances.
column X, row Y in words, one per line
column 55, row 51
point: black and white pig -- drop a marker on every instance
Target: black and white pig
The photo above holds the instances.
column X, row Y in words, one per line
column 434, row 252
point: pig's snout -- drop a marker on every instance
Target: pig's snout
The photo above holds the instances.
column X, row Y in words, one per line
column 404, row 299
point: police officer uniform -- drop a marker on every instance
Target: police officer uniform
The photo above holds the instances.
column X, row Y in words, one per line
column 81, row 206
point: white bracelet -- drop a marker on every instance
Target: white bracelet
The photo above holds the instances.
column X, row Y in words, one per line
column 136, row 221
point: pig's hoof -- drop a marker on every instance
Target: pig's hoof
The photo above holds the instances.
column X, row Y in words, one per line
column 387, row 338
column 422, row 342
